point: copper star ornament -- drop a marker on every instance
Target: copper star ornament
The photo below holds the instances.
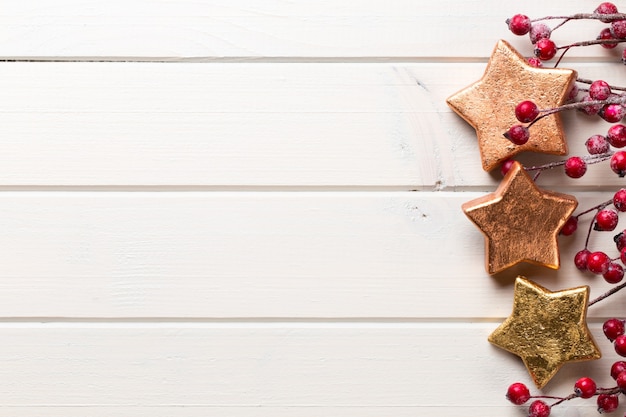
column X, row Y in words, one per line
column 520, row 221
column 547, row 329
column 489, row 105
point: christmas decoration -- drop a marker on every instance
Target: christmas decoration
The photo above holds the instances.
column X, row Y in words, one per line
column 514, row 107
column 546, row 329
column 489, row 105
column 520, row 221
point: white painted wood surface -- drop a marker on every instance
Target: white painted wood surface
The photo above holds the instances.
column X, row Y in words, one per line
column 252, row 208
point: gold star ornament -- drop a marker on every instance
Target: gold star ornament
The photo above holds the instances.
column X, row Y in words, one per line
column 547, row 329
column 520, row 221
column 489, row 105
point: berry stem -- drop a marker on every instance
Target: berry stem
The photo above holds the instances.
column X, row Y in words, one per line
column 589, row 159
column 597, row 16
column 602, row 297
column 588, row 81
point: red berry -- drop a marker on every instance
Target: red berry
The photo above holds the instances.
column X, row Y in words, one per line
column 613, row 328
column 612, row 113
column 599, row 90
column 614, row 274
column 538, row 408
column 620, row 345
column 598, row 262
column 606, row 8
column 617, row 368
column 575, row 167
column 518, row 393
column 591, row 109
column 621, row 381
column 616, row 136
column 519, row 24
column 580, row 260
column 545, row 49
column 622, row 255
column 619, row 199
column 506, row 166
column 606, row 220
column 618, row 29
column 570, row 226
column 597, row 144
column 605, row 35
column 535, row 62
column 573, row 92
column 539, row 31
column 585, row 387
column 618, row 163
column 518, row 134
column 607, row 403
column 526, row 111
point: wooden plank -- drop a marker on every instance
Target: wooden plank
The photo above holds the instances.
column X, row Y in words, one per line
column 265, row 254
column 251, row 125
column 348, row 368
column 214, row 29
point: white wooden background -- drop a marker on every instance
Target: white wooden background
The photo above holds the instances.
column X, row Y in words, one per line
column 252, row 208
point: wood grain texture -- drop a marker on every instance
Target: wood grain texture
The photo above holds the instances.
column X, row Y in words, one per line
column 265, row 254
column 269, row 223
column 245, row 29
column 243, row 369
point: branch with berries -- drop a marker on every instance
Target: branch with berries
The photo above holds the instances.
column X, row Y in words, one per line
column 594, row 98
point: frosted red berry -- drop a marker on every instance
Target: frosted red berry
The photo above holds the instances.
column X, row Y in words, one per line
column 618, row 163
column 612, row 113
column 613, row 328
column 618, row 29
column 599, row 90
column 597, row 144
column 598, row 262
column 518, row 393
column 616, row 136
column 622, row 255
column 620, row 345
column 575, row 167
column 526, row 111
column 617, row 368
column 580, row 259
column 606, row 8
column 621, row 381
column 606, row 220
column 605, row 35
column 545, row 49
column 590, row 109
column 585, row 387
column 506, row 166
column 614, row 274
column 539, row 31
column 538, row 408
column 534, row 62
column 518, row 134
column 519, row 24
column 620, row 241
column 619, row 199
column 607, row 403
column 570, row 226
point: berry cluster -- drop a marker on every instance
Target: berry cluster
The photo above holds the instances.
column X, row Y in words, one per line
column 597, row 98
column 607, row 399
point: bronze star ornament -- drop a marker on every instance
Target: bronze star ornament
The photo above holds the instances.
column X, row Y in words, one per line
column 547, row 329
column 489, row 105
column 520, row 221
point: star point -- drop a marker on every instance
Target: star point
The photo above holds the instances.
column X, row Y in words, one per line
column 547, row 329
column 489, row 105
column 520, row 222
